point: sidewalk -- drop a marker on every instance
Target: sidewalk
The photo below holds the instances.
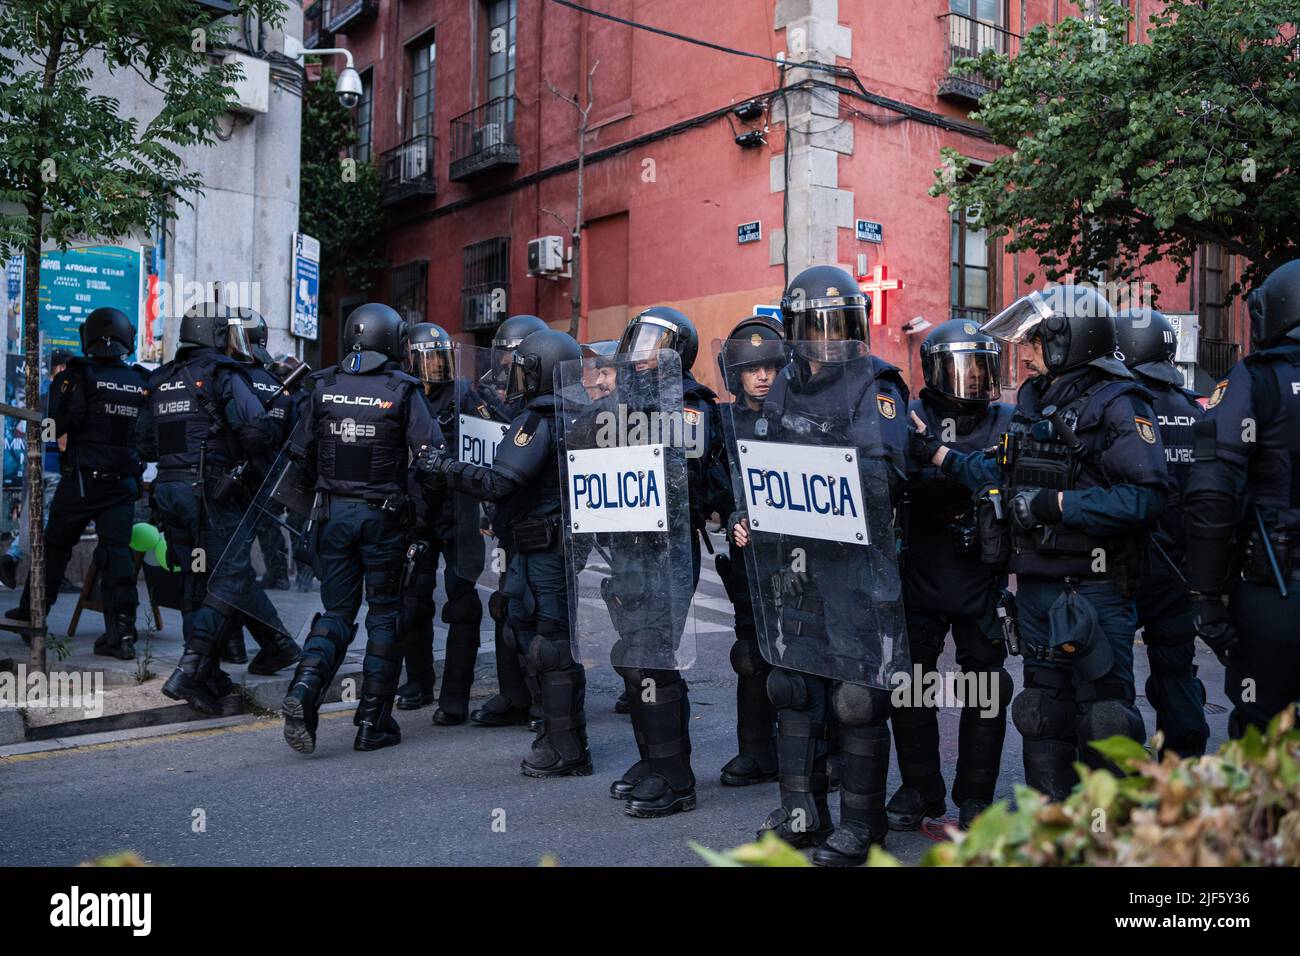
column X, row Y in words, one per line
column 132, row 690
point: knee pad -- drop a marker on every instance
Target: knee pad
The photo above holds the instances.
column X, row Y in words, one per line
column 788, row 689
column 463, row 609
column 1110, row 717
column 859, row 706
column 746, row 659
column 549, row 654
column 382, row 585
column 1037, row 714
column 332, row 628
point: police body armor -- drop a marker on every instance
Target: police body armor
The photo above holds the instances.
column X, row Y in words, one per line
column 179, row 392
column 1035, row 455
column 531, row 436
column 943, row 570
column 104, row 441
column 360, row 429
column 1274, row 477
column 1176, row 415
column 700, row 412
column 270, row 392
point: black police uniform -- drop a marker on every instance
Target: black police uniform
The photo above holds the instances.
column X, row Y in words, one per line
column 946, row 586
column 356, row 434
column 1246, row 474
column 1164, row 606
column 808, row 705
column 1076, row 572
column 203, row 419
column 97, row 403
column 270, row 536
column 524, row 483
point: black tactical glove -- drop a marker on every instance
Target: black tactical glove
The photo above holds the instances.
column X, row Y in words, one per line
column 432, row 461
column 1214, row 625
column 922, row 447
column 1034, row 507
column 735, row 518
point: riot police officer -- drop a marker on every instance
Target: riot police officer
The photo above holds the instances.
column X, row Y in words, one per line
column 661, row 781
column 524, row 484
column 1082, row 477
column 1148, row 342
column 947, row 587
column 96, row 402
column 202, row 422
column 518, row 697
column 834, row 387
column 431, row 361
column 749, row 361
column 1244, row 482
column 357, row 431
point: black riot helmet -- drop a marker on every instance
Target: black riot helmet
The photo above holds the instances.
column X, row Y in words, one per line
column 961, row 363
column 373, row 334
column 248, row 336
column 825, row 317
column 430, row 348
column 1148, row 341
column 107, row 333
column 532, row 368
column 205, row 326
column 756, row 340
column 661, row 327
column 514, row 330
column 1275, row 307
column 1075, row 324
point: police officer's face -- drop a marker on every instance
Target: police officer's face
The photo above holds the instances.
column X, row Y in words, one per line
column 756, row 380
column 1034, row 361
column 598, row 380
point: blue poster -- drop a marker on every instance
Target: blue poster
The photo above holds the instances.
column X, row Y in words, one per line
column 304, row 321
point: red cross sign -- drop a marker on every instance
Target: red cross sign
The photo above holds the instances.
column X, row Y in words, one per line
column 876, row 287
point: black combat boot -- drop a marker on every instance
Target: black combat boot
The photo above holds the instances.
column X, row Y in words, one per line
column 302, row 703
column 192, row 680
column 376, row 727
column 621, row 789
column 864, row 756
column 669, row 786
column 756, row 734
column 560, row 750
column 276, row 651
column 803, row 819
column 118, row 639
column 236, row 651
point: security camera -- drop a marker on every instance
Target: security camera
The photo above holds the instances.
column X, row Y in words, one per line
column 348, row 88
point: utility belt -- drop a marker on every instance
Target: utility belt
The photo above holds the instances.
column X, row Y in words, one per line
column 535, row 533
column 1255, row 565
column 227, row 487
column 389, row 504
column 91, row 474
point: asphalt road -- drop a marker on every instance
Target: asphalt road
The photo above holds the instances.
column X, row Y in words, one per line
column 446, row 796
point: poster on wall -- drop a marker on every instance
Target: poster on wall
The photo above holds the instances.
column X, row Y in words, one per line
column 304, row 304
column 11, row 464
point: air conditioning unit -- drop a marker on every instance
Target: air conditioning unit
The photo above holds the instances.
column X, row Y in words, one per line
column 546, row 256
column 253, row 90
column 489, row 136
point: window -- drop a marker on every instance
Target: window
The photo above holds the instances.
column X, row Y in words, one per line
column 365, row 107
column 485, row 286
column 989, row 11
column 420, row 118
column 409, row 290
column 970, row 266
column 499, row 79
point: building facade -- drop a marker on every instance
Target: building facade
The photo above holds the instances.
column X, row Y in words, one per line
column 709, row 176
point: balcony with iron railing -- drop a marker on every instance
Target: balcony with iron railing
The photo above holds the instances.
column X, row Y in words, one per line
column 967, row 37
column 344, row 15
column 408, row 170
column 1217, row 356
column 314, row 34
column 484, row 139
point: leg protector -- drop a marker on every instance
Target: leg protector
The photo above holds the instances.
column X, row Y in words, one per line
column 1178, row 697
column 979, row 746
column 661, row 710
column 327, row 644
column 1047, row 724
column 1107, row 717
column 755, row 719
column 864, row 768
column 561, row 748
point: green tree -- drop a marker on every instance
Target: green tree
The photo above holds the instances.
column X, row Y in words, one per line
column 1125, row 154
column 340, row 197
column 75, row 168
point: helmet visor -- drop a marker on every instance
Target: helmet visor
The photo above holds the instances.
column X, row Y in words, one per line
column 832, row 334
column 1016, row 323
column 431, row 363
column 238, row 342
column 518, row 380
column 647, row 335
column 968, row 371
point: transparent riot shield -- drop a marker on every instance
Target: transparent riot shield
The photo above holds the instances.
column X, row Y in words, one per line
column 812, row 473
column 280, row 516
column 627, row 516
column 481, row 420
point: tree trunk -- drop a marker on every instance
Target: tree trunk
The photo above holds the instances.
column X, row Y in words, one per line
column 575, row 283
column 34, row 482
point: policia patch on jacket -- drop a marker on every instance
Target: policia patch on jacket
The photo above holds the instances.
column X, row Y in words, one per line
column 886, row 406
column 1146, row 431
column 692, row 416
column 1216, row 396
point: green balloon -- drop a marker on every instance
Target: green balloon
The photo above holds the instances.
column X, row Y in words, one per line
column 144, row 537
column 160, row 552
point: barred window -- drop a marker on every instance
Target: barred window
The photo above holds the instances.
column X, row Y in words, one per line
column 409, row 290
column 485, row 286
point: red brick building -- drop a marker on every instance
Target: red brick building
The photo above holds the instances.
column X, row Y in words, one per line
column 689, row 150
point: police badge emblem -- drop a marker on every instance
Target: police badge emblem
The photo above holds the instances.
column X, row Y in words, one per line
column 886, row 406
column 970, row 329
column 691, row 416
column 1146, row 431
column 1217, row 395
column 522, row 438
column 756, row 340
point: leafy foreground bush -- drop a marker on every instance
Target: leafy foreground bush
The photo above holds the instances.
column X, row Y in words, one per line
column 1239, row 807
